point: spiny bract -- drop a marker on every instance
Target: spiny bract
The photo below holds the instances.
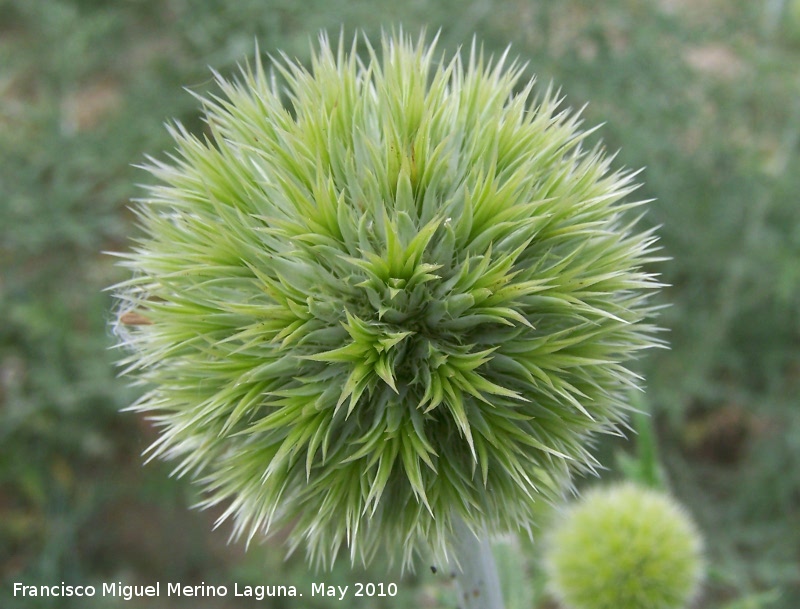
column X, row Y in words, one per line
column 625, row 547
column 383, row 294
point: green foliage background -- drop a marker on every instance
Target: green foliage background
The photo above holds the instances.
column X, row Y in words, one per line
column 705, row 94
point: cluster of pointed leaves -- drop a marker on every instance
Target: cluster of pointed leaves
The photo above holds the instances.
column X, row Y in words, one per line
column 384, row 293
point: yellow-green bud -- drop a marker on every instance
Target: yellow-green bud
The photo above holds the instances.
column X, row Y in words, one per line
column 624, row 547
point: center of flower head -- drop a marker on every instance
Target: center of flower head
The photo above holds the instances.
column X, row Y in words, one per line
column 420, row 319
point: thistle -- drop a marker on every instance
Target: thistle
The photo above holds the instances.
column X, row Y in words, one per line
column 382, row 296
column 625, row 547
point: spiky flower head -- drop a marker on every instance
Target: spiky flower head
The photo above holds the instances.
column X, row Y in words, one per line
column 625, row 547
column 382, row 294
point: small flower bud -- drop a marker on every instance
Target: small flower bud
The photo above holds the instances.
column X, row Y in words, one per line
column 624, row 547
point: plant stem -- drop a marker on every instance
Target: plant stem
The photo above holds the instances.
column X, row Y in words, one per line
column 474, row 569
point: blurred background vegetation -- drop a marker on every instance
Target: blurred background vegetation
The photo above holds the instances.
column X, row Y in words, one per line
column 703, row 93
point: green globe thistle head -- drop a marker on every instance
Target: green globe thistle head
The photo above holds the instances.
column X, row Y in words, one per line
column 624, row 547
column 383, row 294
